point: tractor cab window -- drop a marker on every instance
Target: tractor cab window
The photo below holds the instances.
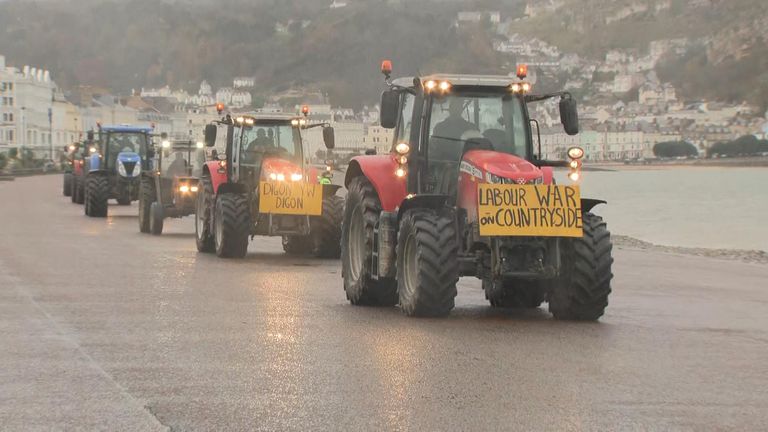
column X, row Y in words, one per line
column 269, row 139
column 119, row 142
column 490, row 121
column 406, row 118
column 177, row 165
column 471, row 120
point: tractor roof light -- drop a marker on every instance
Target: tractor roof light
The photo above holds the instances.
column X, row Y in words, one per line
column 240, row 120
column 294, row 122
column 199, row 144
column 386, row 68
column 522, row 71
column 166, row 144
column 92, row 149
column 403, row 148
column 249, row 121
column 575, row 153
column 432, row 85
column 219, row 107
column 305, row 110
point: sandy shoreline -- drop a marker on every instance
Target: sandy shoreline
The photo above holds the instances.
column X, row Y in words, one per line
column 749, row 256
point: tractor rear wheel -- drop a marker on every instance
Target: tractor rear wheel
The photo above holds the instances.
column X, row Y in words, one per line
column 78, row 192
column 523, row 294
column 326, row 228
column 232, row 225
column 96, row 195
column 156, row 218
column 146, row 198
column 67, row 184
column 361, row 212
column 581, row 293
column 297, row 245
column 427, row 262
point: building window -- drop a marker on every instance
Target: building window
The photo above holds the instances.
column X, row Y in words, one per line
column 10, row 135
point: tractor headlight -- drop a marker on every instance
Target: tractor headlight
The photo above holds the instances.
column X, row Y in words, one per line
column 402, row 148
column 277, row 176
column 136, row 170
column 296, row 177
column 575, row 153
column 121, row 169
column 183, row 188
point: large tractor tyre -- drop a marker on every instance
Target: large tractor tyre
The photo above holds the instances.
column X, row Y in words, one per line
column 581, row 293
column 67, row 184
column 297, row 245
column 427, row 262
column 78, row 190
column 156, row 218
column 520, row 294
column 326, row 228
column 203, row 217
column 96, row 195
column 361, row 212
column 232, row 225
column 146, row 198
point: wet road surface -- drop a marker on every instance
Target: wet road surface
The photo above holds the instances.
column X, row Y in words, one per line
column 102, row 327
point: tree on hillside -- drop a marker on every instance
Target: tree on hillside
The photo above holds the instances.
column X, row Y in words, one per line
column 747, row 145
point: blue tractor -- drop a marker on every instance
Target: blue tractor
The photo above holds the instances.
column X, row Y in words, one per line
column 114, row 169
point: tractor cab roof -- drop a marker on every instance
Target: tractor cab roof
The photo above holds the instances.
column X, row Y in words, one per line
column 462, row 80
column 268, row 117
column 126, row 129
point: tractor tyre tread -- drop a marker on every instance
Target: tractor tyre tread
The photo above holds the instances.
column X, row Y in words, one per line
column 437, row 268
column 582, row 293
column 365, row 291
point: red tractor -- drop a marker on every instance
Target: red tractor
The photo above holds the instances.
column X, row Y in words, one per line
column 464, row 193
column 256, row 182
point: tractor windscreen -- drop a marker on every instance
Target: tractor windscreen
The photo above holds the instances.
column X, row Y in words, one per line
column 119, row 142
column 277, row 139
column 489, row 121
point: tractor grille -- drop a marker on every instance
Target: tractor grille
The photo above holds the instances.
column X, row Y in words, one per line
column 129, row 166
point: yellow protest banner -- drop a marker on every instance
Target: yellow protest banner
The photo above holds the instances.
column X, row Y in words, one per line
column 291, row 198
column 529, row 210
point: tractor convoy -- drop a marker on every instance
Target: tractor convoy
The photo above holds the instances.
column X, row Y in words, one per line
column 464, row 191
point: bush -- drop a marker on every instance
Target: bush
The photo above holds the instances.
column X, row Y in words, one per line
column 675, row 149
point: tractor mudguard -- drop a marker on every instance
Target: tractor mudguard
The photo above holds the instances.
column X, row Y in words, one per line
column 330, row 190
column 231, row 188
column 421, row 201
column 587, row 204
column 380, row 171
column 217, row 178
column 549, row 174
column 94, row 163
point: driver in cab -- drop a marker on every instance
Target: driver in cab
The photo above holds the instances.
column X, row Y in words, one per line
column 448, row 133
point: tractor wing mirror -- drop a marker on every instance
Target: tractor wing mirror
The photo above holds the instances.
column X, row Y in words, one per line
column 329, row 137
column 210, row 135
column 569, row 116
column 390, row 102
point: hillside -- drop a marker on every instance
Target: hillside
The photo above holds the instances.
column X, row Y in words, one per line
column 133, row 43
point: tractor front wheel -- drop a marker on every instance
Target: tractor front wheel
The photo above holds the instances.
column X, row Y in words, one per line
column 156, row 218
column 326, row 228
column 203, row 213
column 361, row 212
column 427, row 262
column 146, row 198
column 67, row 184
column 96, row 195
column 581, row 293
column 232, row 225
column 78, row 192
